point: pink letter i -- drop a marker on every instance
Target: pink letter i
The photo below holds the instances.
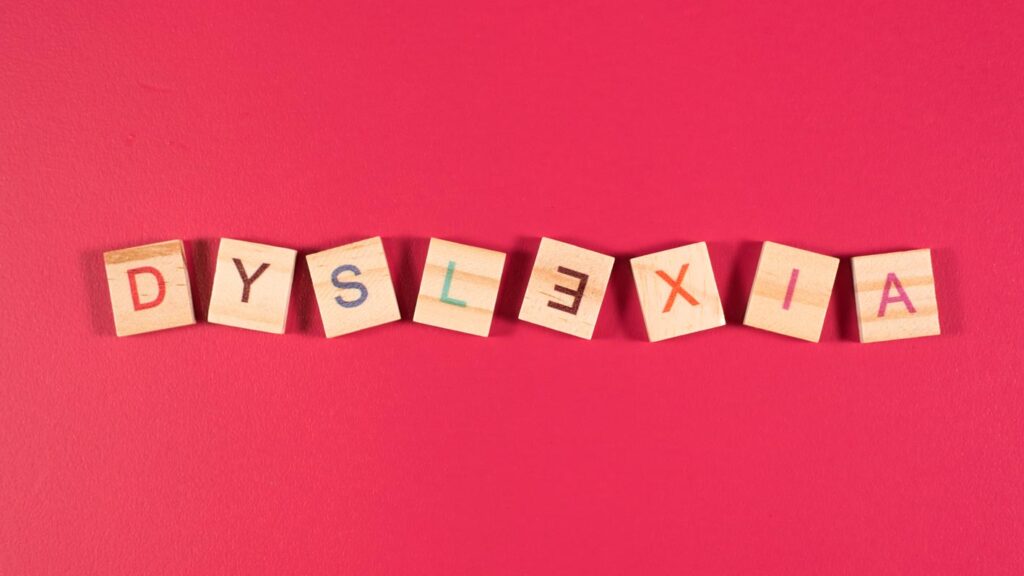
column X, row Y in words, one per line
column 792, row 288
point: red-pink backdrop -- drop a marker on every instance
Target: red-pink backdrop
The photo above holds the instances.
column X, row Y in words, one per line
column 622, row 127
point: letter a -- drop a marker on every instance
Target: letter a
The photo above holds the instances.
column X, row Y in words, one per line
column 890, row 281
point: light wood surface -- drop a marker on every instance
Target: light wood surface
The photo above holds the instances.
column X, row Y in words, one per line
column 905, row 283
column 459, row 287
column 353, row 287
column 791, row 291
column 677, row 292
column 263, row 306
column 163, row 297
column 553, row 296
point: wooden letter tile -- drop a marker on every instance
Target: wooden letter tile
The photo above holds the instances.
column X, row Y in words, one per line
column 353, row 287
column 677, row 290
column 791, row 291
column 459, row 287
column 252, row 286
column 895, row 296
column 566, row 288
column 149, row 288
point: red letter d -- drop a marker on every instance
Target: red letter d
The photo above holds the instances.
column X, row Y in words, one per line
column 161, row 289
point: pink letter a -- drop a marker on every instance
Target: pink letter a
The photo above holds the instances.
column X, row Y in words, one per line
column 890, row 281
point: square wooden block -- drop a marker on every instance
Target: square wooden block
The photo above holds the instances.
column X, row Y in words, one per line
column 252, row 286
column 459, row 287
column 791, row 291
column 149, row 288
column 677, row 290
column 353, row 287
column 895, row 296
column 566, row 288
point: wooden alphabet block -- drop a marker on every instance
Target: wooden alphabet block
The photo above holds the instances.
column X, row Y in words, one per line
column 895, row 295
column 149, row 288
column 353, row 287
column 791, row 291
column 566, row 288
column 677, row 290
column 252, row 286
column 459, row 287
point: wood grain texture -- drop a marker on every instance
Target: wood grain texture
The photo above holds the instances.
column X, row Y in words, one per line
column 175, row 308
column 366, row 293
column 264, row 306
column 793, row 304
column 671, row 311
column 544, row 304
column 459, row 287
column 910, row 314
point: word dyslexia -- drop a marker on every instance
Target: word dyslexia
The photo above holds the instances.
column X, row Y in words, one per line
column 149, row 289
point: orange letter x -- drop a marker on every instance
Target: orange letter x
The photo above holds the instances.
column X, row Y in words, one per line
column 677, row 288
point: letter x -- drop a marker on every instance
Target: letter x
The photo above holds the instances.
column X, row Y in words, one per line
column 677, row 288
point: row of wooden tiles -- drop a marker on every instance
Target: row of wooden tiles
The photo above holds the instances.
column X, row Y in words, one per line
column 149, row 289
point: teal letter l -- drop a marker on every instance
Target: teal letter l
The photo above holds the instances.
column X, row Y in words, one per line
column 448, row 286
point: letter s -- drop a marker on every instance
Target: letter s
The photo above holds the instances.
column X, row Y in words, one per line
column 363, row 293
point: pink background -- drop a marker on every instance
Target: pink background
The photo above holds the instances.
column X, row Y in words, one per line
column 623, row 127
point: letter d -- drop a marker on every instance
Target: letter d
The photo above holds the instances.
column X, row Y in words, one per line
column 161, row 287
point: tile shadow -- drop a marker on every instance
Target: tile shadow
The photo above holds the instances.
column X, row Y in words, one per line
column 518, row 265
column 94, row 279
column 201, row 261
column 948, row 293
column 742, row 258
column 408, row 254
